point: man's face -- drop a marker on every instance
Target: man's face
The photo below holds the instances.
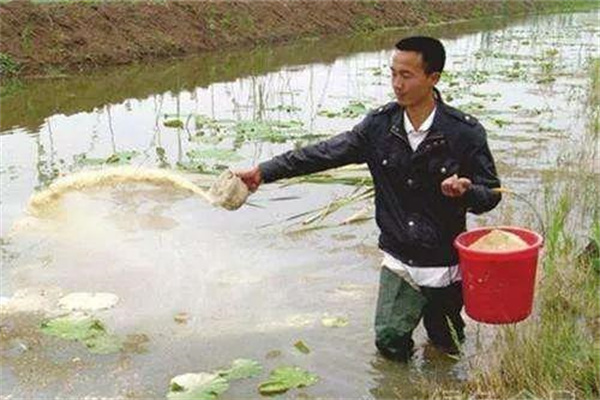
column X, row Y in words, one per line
column 412, row 85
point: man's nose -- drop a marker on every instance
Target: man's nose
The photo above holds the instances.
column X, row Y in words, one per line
column 397, row 82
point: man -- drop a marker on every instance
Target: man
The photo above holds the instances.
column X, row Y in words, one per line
column 430, row 164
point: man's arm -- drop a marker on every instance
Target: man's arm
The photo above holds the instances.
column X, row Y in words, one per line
column 342, row 149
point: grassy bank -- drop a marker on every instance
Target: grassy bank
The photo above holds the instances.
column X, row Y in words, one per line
column 557, row 351
column 51, row 38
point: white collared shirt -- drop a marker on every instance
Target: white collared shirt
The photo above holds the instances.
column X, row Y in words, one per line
column 421, row 276
column 416, row 136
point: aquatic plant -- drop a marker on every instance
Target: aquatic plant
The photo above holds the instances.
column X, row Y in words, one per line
column 82, row 328
column 353, row 110
column 208, row 386
column 173, row 123
column 200, row 386
column 241, row 368
column 283, row 379
column 269, row 131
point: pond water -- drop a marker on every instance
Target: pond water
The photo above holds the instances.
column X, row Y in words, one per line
column 249, row 282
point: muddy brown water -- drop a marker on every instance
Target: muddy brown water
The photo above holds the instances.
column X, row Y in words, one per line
column 252, row 291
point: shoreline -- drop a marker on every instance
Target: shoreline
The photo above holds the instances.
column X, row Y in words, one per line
column 53, row 39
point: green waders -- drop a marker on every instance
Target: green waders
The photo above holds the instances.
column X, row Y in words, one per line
column 400, row 307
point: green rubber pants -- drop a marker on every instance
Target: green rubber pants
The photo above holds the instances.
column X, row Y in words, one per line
column 400, row 308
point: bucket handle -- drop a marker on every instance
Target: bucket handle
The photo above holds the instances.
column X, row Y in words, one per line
column 525, row 200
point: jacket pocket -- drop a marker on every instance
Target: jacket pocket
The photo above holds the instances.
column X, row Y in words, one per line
column 391, row 164
column 439, row 168
column 422, row 231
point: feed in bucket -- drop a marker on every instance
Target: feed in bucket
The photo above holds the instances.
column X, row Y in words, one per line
column 498, row 286
column 499, row 240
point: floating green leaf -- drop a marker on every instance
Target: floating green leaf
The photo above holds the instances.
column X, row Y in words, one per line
column 83, row 159
column 328, row 113
column 173, row 123
column 284, row 378
column 287, row 124
column 85, row 301
column 202, row 121
column 103, row 344
column 91, row 332
column 352, row 110
column 73, row 327
column 272, row 131
column 240, row 369
column 301, row 347
column 201, row 386
column 501, row 122
column 334, row 322
column 121, row 157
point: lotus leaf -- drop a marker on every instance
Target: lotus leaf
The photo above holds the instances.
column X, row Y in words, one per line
column 173, row 123
column 83, row 159
column 73, row 327
column 88, row 301
column 352, row 110
column 201, row 386
column 121, row 157
column 240, row 369
column 271, row 131
column 85, row 329
column 284, row 378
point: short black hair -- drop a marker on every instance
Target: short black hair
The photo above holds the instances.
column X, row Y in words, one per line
column 431, row 50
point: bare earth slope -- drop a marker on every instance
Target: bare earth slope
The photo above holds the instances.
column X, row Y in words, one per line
column 41, row 37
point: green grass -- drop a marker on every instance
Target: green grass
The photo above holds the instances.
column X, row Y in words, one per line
column 557, row 349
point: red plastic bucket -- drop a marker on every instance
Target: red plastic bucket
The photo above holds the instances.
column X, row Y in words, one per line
column 498, row 286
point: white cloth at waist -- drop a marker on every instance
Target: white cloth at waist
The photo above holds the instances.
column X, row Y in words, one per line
column 422, row 276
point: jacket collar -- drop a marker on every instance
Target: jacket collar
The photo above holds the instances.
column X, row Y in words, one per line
column 440, row 124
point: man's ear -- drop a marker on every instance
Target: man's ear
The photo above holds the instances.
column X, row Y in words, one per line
column 435, row 77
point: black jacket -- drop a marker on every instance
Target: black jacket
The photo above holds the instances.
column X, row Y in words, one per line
column 418, row 223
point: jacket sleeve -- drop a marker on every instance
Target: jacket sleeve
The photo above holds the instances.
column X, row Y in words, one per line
column 482, row 172
column 342, row 149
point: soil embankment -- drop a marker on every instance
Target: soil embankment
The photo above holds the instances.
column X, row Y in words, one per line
column 47, row 38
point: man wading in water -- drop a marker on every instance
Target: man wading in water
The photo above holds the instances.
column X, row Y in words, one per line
column 430, row 164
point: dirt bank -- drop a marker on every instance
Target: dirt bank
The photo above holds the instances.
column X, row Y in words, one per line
column 42, row 38
column 46, row 38
column 84, row 92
